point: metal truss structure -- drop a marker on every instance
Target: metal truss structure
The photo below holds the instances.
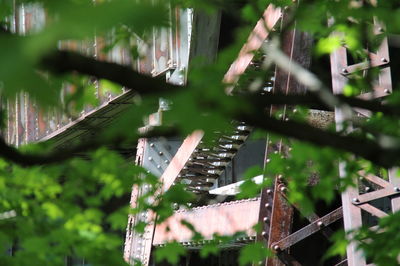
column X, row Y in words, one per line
column 199, row 166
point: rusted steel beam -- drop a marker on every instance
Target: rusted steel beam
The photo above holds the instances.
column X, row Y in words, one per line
column 352, row 201
column 281, row 222
column 167, row 179
column 261, row 31
column 223, row 219
column 132, row 239
column 138, row 246
column 377, row 194
column 308, row 230
column 180, row 159
column 297, row 46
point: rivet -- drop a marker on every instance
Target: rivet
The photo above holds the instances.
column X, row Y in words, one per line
column 397, row 189
column 383, row 59
column 263, row 233
column 367, row 189
column 150, row 158
column 268, row 160
column 160, row 153
column 276, row 248
column 287, row 119
column 151, row 144
column 344, row 70
column 265, row 219
column 158, row 166
column 269, row 191
column 280, row 177
column 386, row 91
column 356, row 200
column 320, row 223
column 283, row 189
column 166, row 161
column 267, row 205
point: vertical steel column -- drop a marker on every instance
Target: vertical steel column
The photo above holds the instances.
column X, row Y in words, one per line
column 353, row 200
column 138, row 246
column 296, row 45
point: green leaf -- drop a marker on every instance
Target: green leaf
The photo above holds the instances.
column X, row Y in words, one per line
column 253, row 253
column 170, row 252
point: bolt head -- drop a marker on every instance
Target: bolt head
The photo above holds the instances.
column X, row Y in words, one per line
column 150, row 158
column 151, row 144
column 276, row 247
column 344, row 70
column 283, row 189
column 269, row 191
column 265, row 219
column 160, row 153
column 397, row 189
column 356, row 200
column 263, row 233
column 267, row 205
column 383, row 60
column 320, row 223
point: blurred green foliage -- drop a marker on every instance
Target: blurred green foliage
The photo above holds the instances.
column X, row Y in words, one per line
column 68, row 209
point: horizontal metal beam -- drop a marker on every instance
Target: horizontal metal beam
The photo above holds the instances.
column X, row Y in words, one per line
column 223, row 219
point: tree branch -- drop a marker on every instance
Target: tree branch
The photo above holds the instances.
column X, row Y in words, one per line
column 67, row 61
column 12, row 154
column 314, row 102
column 380, row 151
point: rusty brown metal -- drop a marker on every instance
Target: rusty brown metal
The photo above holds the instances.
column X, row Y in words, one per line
column 352, row 201
column 261, row 31
column 297, row 46
column 223, row 219
column 281, row 222
column 308, row 230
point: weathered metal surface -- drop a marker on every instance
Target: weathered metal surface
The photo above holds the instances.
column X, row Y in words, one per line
column 223, row 219
column 261, row 31
column 158, row 154
column 166, row 48
column 209, row 161
column 205, row 36
column 180, row 159
column 297, row 46
column 138, row 246
column 308, row 230
column 281, row 221
column 133, row 242
column 352, row 201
